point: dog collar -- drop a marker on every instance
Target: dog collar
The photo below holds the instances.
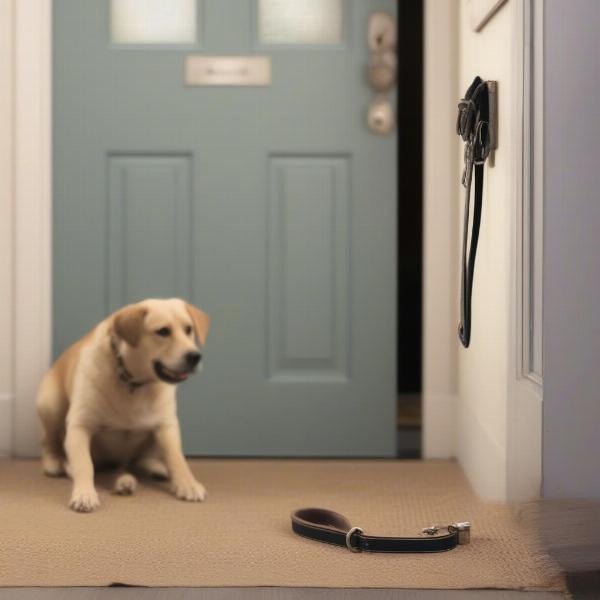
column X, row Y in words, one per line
column 123, row 373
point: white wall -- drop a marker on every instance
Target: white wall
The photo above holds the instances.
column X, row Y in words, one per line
column 571, row 262
column 483, row 369
column 6, row 225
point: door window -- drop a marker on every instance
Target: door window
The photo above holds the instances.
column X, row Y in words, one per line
column 295, row 22
column 153, row 21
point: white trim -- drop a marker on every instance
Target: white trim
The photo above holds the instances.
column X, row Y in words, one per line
column 524, row 403
column 530, row 231
column 440, row 235
column 6, row 416
column 439, row 417
column 6, row 223
column 480, row 455
column 32, row 213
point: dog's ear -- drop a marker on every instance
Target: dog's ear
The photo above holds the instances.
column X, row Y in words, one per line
column 200, row 320
column 128, row 323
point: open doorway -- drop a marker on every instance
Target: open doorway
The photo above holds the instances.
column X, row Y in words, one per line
column 410, row 226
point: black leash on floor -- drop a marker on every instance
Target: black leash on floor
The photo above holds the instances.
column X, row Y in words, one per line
column 472, row 124
column 331, row 527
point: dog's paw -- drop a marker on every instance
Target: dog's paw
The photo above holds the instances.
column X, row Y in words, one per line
column 84, row 500
column 52, row 465
column 125, row 484
column 191, row 491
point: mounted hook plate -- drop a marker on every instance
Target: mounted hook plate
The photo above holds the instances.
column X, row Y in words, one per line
column 493, row 126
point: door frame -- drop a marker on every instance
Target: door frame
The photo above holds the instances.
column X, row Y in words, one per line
column 525, row 376
column 32, row 214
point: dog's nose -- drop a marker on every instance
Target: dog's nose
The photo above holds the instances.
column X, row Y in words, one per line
column 192, row 359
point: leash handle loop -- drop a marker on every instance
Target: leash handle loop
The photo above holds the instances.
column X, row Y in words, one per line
column 330, row 527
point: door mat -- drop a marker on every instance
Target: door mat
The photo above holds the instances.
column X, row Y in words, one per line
column 241, row 535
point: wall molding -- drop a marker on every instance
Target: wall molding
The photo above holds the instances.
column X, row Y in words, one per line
column 6, row 419
column 439, row 417
column 33, row 220
column 481, row 458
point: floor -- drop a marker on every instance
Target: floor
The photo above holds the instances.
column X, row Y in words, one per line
column 408, row 426
column 264, row 594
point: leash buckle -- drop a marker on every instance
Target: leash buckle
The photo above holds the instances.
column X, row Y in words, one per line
column 464, row 531
column 463, row 528
column 349, row 535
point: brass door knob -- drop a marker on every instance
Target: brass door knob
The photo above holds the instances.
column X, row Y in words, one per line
column 380, row 117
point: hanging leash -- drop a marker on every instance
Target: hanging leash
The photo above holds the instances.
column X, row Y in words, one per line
column 331, row 527
column 473, row 125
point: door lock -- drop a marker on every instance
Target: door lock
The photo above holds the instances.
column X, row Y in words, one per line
column 381, row 70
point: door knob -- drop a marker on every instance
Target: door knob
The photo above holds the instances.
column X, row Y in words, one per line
column 380, row 116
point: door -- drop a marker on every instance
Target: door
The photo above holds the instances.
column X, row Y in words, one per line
column 271, row 206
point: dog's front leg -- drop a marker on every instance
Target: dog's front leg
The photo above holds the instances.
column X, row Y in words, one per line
column 184, row 483
column 81, row 468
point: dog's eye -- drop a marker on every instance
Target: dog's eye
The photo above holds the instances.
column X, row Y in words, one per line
column 164, row 331
column 188, row 330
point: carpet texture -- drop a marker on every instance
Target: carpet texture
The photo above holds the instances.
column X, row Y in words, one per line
column 241, row 535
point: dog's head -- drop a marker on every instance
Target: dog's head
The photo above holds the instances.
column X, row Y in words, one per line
column 163, row 338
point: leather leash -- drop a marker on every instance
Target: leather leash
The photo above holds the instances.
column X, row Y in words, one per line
column 331, row 527
column 473, row 125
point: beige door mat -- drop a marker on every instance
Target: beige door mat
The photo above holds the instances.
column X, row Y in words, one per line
column 241, row 535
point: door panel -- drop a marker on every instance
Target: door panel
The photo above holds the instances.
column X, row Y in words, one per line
column 271, row 207
column 149, row 227
column 308, row 283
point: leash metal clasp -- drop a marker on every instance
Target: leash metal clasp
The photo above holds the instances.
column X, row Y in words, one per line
column 463, row 528
column 349, row 535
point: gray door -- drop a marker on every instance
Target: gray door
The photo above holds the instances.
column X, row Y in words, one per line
column 272, row 207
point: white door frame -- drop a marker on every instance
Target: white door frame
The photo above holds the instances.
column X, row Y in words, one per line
column 33, row 213
column 33, row 265
column 525, row 377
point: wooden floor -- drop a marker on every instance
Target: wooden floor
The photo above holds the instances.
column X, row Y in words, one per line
column 273, row 593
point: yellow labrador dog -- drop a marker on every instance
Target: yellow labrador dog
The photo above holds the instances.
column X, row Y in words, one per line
column 110, row 400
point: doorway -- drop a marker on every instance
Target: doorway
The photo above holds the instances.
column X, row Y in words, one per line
column 268, row 205
column 410, row 227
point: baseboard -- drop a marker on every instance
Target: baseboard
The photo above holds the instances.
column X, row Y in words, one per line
column 524, row 442
column 7, row 402
column 481, row 458
column 439, row 430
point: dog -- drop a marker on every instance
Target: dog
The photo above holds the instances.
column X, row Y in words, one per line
column 109, row 400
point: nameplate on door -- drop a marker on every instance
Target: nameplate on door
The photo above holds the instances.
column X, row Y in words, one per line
column 227, row 70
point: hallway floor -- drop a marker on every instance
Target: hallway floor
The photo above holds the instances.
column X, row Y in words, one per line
column 241, row 536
